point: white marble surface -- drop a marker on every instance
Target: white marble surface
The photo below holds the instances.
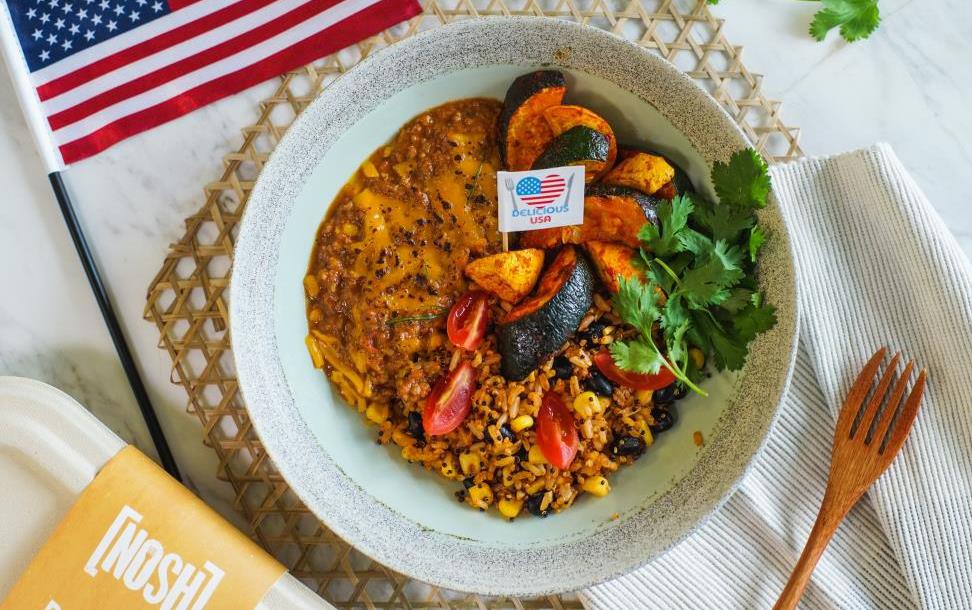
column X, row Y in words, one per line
column 909, row 85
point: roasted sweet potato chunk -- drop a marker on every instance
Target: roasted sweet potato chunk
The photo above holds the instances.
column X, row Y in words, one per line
column 642, row 171
column 613, row 260
column 508, row 275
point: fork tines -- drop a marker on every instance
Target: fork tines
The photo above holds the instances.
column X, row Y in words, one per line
column 892, row 416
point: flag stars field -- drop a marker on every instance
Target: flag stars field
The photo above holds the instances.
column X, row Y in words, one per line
column 86, row 58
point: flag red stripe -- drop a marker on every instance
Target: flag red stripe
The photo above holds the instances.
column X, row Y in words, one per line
column 177, row 4
column 189, row 64
column 357, row 27
column 148, row 47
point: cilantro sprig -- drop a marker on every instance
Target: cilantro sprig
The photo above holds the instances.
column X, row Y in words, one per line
column 700, row 263
column 854, row 19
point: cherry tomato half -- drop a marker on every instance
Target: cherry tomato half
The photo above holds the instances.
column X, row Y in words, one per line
column 466, row 324
column 556, row 434
column 449, row 402
column 638, row 381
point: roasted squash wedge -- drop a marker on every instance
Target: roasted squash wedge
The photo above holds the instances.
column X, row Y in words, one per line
column 507, row 275
column 645, row 172
column 523, row 133
column 535, row 329
column 579, row 145
column 611, row 213
column 562, row 118
column 612, row 260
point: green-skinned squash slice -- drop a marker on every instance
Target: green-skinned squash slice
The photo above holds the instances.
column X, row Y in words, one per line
column 611, row 213
column 566, row 117
column 522, row 131
column 579, row 145
column 535, row 329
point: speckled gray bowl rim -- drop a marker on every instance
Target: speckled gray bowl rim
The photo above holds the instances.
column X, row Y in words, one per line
column 378, row 530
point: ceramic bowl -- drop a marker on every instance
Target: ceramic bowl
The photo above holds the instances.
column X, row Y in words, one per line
column 399, row 514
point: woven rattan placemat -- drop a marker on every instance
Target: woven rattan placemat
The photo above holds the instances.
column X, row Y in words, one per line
column 187, row 300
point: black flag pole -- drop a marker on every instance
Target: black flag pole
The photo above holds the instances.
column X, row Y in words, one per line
column 114, row 327
column 30, row 105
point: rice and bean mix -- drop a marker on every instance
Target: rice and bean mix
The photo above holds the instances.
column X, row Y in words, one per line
column 388, row 265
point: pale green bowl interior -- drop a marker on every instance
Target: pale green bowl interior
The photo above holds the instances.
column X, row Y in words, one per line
column 419, row 495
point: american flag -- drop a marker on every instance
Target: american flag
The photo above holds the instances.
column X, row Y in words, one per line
column 104, row 70
column 533, row 191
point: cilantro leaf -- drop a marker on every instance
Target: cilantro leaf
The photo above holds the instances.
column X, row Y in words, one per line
column 752, row 320
column 672, row 218
column 707, row 283
column 723, row 222
column 637, row 304
column 692, row 241
column 637, row 356
column 738, row 299
column 744, row 181
column 728, row 352
column 756, row 239
column 857, row 19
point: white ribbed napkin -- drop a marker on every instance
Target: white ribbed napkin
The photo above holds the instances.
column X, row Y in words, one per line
column 876, row 266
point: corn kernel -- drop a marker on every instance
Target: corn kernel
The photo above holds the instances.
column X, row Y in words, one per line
column 584, row 404
column 643, row 396
column 521, row 423
column 481, row 496
column 349, row 229
column 698, row 358
column 510, row 508
column 535, row 456
column 377, row 412
column 470, row 463
column 597, row 486
column 311, row 286
column 369, row 169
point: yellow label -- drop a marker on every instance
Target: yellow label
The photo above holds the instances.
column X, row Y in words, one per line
column 137, row 539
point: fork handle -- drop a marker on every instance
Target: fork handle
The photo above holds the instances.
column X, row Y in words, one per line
column 823, row 530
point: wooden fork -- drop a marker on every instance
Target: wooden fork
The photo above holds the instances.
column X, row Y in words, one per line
column 861, row 453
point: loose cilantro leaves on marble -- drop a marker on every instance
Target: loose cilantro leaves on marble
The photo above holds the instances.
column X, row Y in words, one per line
column 856, row 19
column 700, row 265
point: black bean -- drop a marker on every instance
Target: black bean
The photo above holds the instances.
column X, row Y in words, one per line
column 594, row 331
column 415, row 429
column 665, row 395
column 533, row 505
column 522, row 455
column 562, row 367
column 598, row 383
column 506, row 433
column 468, row 482
column 628, row 445
column 681, row 391
column 664, row 419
